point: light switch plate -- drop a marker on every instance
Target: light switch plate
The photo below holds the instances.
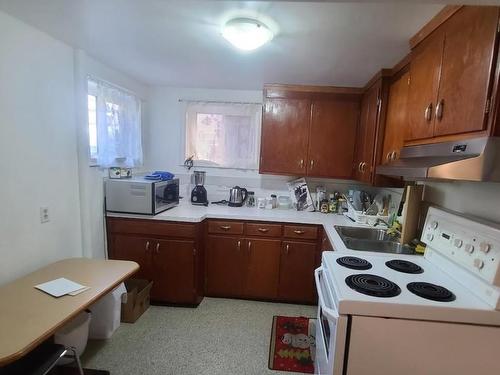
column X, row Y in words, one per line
column 44, row 215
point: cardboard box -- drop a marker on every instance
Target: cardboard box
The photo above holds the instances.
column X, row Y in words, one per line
column 138, row 291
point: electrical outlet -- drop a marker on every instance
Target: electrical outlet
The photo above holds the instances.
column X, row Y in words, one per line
column 44, row 215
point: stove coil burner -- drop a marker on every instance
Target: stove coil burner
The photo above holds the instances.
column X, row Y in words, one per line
column 431, row 291
column 404, row 266
column 373, row 285
column 354, row 263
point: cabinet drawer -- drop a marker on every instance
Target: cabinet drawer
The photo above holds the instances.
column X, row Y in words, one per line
column 301, row 231
column 264, row 230
column 151, row 228
column 227, row 227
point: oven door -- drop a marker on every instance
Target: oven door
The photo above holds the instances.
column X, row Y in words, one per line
column 331, row 330
column 166, row 195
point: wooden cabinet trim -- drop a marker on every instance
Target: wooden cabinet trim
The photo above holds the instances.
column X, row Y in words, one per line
column 225, row 227
column 300, row 232
column 147, row 227
column 263, row 229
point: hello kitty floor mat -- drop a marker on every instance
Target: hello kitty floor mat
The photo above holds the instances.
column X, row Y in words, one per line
column 292, row 345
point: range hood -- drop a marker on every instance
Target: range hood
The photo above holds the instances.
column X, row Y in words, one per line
column 476, row 159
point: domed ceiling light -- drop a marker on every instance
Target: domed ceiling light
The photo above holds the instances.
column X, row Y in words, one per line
column 246, row 33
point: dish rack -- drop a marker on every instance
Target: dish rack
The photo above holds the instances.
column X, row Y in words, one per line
column 361, row 218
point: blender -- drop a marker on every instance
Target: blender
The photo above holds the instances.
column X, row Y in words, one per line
column 199, row 193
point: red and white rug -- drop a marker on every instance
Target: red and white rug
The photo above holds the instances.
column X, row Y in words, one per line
column 292, row 344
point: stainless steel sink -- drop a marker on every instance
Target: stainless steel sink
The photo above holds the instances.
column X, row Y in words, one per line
column 362, row 233
column 371, row 239
column 382, row 246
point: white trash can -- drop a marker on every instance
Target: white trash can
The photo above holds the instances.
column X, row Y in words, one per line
column 106, row 314
column 74, row 334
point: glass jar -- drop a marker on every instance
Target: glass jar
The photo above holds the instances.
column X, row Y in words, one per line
column 250, row 199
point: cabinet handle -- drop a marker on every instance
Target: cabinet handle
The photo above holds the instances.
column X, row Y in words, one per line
column 359, row 166
column 312, row 164
column 388, row 157
column 394, row 155
column 299, row 232
column 287, row 248
column 263, row 230
column 301, row 163
column 363, row 167
column 225, row 227
column 238, row 245
column 249, row 245
column 428, row 113
column 147, row 245
column 439, row 109
column 157, row 248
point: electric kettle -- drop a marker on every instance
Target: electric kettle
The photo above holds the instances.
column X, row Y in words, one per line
column 237, row 196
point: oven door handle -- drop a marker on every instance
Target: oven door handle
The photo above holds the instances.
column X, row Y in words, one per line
column 330, row 313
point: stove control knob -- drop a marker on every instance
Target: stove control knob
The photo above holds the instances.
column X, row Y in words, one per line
column 478, row 263
column 458, row 243
column 469, row 248
column 484, row 247
column 434, row 225
column 430, row 236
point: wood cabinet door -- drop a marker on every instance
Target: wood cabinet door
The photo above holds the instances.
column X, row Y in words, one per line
column 136, row 249
column 396, row 118
column 297, row 271
column 424, row 83
column 332, row 137
column 262, row 268
column 173, row 264
column 365, row 136
column 466, row 70
column 224, row 266
column 284, row 137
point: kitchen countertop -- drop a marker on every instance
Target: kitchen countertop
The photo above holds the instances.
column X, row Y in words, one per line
column 186, row 212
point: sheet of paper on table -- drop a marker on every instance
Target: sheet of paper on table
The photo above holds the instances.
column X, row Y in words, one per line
column 60, row 287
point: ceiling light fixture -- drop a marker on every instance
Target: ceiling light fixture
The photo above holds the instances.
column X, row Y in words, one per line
column 246, row 33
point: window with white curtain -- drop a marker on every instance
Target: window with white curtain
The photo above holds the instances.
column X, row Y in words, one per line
column 224, row 135
column 114, row 125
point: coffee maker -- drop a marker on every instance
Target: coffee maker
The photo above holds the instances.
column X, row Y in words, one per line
column 199, row 193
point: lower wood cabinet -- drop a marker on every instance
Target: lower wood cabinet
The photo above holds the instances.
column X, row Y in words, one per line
column 171, row 258
column 224, row 266
column 298, row 260
column 254, row 260
column 262, row 268
column 265, row 262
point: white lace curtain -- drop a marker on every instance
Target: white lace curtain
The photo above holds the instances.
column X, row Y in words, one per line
column 223, row 134
column 119, row 140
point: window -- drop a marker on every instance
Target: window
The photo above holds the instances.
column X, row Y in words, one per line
column 114, row 125
column 223, row 135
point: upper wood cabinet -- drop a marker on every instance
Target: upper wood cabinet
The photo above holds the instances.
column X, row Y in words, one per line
column 284, row 136
column 451, row 75
column 332, row 137
column 309, row 131
column 367, row 131
column 396, row 117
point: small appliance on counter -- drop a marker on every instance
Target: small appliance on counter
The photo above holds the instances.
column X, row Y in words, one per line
column 138, row 195
column 199, row 194
column 237, row 196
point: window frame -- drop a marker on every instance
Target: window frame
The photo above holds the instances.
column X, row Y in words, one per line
column 233, row 111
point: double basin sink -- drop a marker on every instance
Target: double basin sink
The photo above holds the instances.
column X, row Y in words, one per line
column 371, row 239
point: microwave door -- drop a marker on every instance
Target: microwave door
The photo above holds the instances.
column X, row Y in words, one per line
column 166, row 196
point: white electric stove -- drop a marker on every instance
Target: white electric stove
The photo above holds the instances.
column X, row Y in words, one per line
column 399, row 314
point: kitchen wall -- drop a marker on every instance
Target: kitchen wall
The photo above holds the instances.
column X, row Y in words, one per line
column 91, row 178
column 38, row 158
column 165, row 142
column 479, row 199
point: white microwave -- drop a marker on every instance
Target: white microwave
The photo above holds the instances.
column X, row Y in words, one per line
column 140, row 196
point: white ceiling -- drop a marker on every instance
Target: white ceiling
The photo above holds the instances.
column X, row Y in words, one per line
column 178, row 42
